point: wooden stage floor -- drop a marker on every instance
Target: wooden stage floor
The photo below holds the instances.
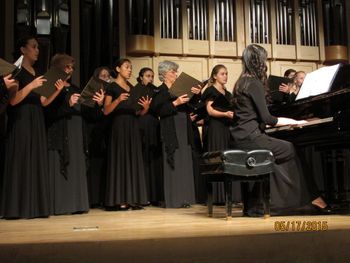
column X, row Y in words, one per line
column 175, row 235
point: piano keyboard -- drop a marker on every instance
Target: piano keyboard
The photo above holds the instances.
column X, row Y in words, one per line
column 299, row 126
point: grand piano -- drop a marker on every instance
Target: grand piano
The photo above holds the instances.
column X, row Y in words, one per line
column 323, row 143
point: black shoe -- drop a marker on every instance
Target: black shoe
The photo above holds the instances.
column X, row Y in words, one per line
column 311, row 209
column 136, row 207
column 259, row 212
column 185, row 206
column 323, row 211
column 123, row 207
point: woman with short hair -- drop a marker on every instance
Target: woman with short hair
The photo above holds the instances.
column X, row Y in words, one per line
column 177, row 139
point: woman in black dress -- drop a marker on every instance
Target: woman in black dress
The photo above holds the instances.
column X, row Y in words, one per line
column 290, row 188
column 26, row 184
column 95, row 128
column 177, row 139
column 150, row 137
column 67, row 166
column 216, row 133
column 125, row 181
column 8, row 86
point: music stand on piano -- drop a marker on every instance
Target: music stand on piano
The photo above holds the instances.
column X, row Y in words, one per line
column 318, row 82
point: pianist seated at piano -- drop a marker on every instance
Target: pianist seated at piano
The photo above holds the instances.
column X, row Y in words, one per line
column 292, row 192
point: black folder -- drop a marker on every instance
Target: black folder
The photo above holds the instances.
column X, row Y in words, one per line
column 137, row 93
column 183, row 85
column 7, row 68
column 51, row 76
column 273, row 83
column 221, row 103
column 93, row 85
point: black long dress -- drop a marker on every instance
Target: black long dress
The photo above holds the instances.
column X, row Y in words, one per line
column 67, row 166
column 125, row 181
column 177, row 139
column 26, row 184
column 197, row 107
column 96, row 130
column 217, row 137
column 290, row 188
column 151, row 150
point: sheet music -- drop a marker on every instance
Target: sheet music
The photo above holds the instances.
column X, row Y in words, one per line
column 19, row 62
column 318, row 82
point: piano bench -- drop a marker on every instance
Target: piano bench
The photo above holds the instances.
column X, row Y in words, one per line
column 238, row 165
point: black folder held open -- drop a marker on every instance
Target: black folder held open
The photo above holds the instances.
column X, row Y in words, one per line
column 94, row 85
column 274, row 83
column 183, row 85
column 51, row 76
column 138, row 92
column 221, row 103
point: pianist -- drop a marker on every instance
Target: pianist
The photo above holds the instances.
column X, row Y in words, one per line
column 290, row 189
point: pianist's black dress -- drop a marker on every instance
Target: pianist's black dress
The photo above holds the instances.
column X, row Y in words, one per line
column 125, row 181
column 26, row 182
column 288, row 187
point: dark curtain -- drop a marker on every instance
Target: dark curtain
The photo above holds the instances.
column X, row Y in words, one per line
column 97, row 36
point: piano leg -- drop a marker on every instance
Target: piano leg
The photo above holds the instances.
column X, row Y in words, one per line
column 228, row 197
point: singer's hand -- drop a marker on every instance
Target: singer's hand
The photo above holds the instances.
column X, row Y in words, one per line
column 123, row 96
column 38, row 82
column 59, row 84
column 181, row 100
column 9, row 82
column 229, row 114
column 196, row 90
column 285, row 88
column 99, row 97
column 145, row 102
column 74, row 99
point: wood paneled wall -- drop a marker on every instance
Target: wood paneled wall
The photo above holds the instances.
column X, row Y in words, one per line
column 198, row 57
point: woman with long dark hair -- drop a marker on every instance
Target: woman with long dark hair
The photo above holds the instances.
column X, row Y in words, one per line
column 26, row 184
column 290, row 188
column 125, row 181
column 96, row 130
column 150, row 137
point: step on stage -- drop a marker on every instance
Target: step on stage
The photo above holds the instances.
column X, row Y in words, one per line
column 175, row 235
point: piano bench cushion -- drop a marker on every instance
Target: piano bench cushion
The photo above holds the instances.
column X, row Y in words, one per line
column 237, row 162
